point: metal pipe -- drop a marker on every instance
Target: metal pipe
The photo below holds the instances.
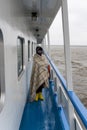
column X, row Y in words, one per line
column 67, row 60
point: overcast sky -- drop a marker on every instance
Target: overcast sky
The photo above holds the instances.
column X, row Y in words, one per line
column 77, row 10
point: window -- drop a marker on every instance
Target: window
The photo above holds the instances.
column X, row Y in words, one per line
column 2, row 73
column 32, row 48
column 28, row 50
column 20, row 51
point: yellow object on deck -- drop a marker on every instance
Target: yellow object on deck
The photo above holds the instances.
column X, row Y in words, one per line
column 37, row 96
column 40, row 96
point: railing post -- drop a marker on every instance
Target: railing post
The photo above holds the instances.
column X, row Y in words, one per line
column 67, row 59
column 51, row 74
column 55, row 82
column 48, row 38
column 44, row 44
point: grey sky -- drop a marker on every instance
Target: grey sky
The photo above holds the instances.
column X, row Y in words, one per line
column 77, row 10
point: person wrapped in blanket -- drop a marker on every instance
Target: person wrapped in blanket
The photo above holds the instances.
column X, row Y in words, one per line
column 40, row 75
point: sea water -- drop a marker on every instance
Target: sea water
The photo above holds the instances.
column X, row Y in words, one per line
column 79, row 68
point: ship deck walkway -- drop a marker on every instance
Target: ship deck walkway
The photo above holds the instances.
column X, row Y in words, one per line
column 41, row 115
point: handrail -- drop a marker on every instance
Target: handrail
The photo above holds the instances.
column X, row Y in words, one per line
column 78, row 106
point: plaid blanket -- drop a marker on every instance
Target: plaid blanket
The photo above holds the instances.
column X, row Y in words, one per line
column 39, row 75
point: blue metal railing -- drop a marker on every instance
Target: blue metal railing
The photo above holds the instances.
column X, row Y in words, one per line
column 78, row 106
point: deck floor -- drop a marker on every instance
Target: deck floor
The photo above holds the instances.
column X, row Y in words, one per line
column 41, row 115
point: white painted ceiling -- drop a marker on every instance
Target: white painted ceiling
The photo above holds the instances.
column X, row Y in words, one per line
column 45, row 10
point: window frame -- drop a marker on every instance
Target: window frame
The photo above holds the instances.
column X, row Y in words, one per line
column 2, row 72
column 32, row 49
column 29, row 56
column 22, row 41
